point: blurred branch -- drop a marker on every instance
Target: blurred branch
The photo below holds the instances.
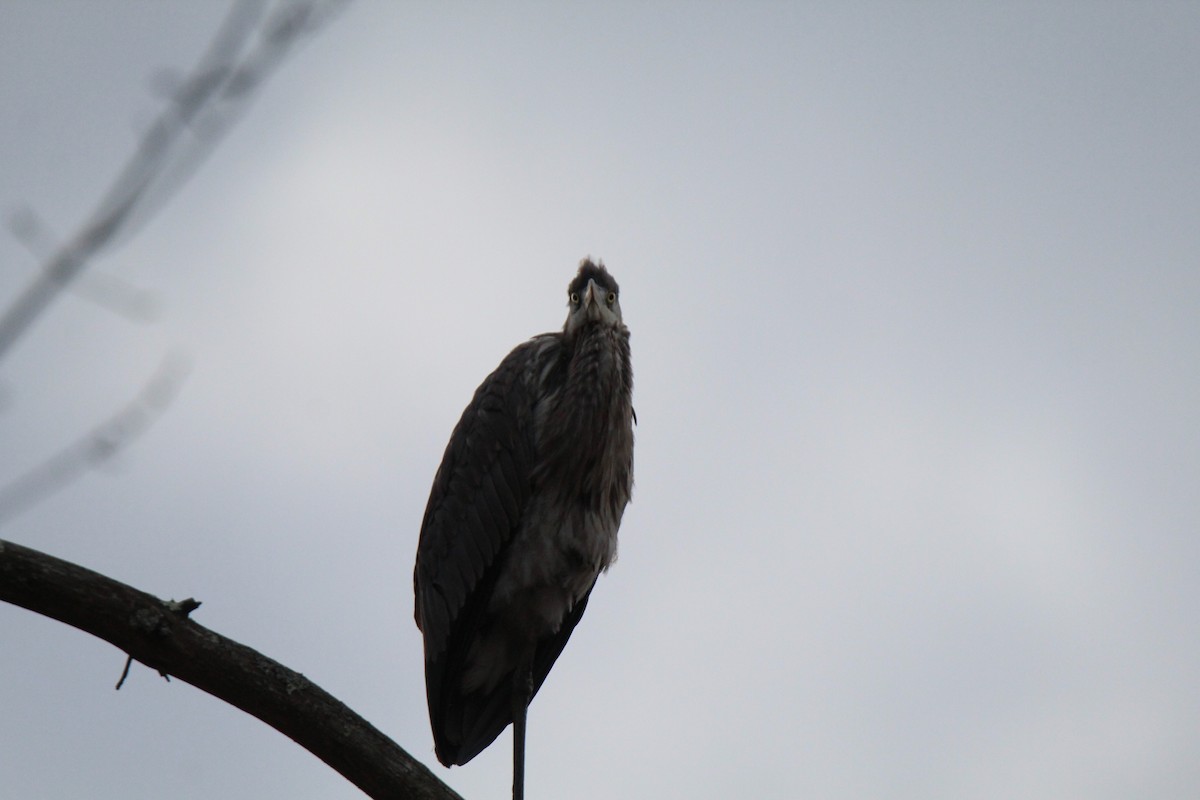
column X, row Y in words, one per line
column 159, row 635
column 107, row 291
column 100, row 444
column 202, row 107
column 201, row 110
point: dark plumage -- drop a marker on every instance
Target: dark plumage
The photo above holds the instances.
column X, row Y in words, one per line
column 523, row 518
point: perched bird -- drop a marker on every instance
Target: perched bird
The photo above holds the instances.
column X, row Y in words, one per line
column 522, row 519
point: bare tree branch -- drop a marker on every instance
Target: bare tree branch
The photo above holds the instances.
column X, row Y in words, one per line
column 159, row 635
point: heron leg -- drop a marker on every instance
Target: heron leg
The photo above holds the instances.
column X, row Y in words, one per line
column 522, row 693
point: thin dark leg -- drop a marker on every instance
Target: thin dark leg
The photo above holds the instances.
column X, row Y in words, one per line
column 519, row 755
column 522, row 691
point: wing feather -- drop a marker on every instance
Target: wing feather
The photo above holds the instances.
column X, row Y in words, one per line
column 476, row 500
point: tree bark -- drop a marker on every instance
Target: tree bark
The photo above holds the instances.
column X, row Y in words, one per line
column 160, row 635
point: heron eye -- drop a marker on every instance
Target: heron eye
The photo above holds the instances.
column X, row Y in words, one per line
column 574, row 298
column 612, row 298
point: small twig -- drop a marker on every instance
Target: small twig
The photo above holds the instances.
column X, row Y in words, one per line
column 180, row 607
column 124, row 672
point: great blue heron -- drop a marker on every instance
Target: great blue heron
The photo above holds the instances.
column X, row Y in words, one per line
column 522, row 519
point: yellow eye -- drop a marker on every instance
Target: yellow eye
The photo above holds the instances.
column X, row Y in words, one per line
column 612, row 298
column 574, row 298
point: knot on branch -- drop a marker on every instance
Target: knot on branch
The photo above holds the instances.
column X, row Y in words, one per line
column 156, row 624
column 151, row 622
column 182, row 607
column 296, row 683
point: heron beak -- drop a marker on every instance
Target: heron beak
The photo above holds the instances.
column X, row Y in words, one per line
column 591, row 301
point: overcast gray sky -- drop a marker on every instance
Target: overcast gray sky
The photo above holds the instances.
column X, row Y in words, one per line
column 913, row 291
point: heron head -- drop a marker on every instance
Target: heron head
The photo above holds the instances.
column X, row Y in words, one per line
column 592, row 297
